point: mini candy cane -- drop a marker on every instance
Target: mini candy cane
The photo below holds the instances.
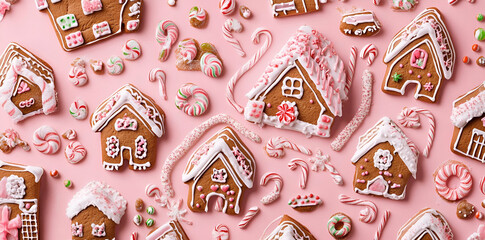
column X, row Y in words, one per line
column 275, row 147
column 248, row 217
column 293, row 164
column 229, row 26
column 369, row 50
column 167, row 34
column 322, row 162
column 351, row 69
column 220, row 232
column 451, row 2
column 368, row 214
column 153, row 191
column 192, row 138
column 134, row 236
column 381, row 226
column 376, row 2
column 256, row 37
column 409, row 118
column 364, row 108
column 482, row 185
column 275, row 194
column 157, row 74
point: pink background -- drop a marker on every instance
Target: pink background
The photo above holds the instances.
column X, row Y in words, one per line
column 32, row 29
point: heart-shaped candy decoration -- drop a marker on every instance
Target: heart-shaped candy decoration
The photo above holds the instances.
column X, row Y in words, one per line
column 225, row 188
column 214, row 187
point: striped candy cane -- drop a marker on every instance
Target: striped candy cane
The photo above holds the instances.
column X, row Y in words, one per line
column 275, row 147
column 293, row 164
column 220, row 232
column 409, row 118
column 381, row 226
column 368, row 214
column 351, row 69
column 158, row 75
column 376, row 2
column 275, row 194
column 482, row 185
column 248, row 217
column 369, row 50
column 229, row 26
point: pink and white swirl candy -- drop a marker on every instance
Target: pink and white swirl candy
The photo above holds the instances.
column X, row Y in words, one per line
column 211, row 65
column 167, row 34
column 445, row 172
column 227, row 7
column 200, row 103
column 131, row 50
column 158, row 75
column 75, row 152
column 79, row 109
column 46, row 140
column 115, row 65
column 275, row 194
column 188, row 49
column 220, row 232
column 275, row 147
column 368, row 214
column 198, row 14
column 236, row 26
column 294, row 164
column 69, row 134
column 369, row 50
column 77, row 75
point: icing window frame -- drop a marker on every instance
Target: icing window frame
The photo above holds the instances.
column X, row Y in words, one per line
column 292, row 87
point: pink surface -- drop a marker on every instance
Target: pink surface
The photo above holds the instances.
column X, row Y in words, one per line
column 32, row 29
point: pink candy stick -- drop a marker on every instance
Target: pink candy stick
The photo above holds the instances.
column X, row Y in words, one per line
column 275, row 194
column 364, row 108
column 229, row 26
column 275, row 147
column 409, row 118
column 381, row 226
column 158, row 75
column 369, row 50
column 482, row 185
column 293, row 164
column 351, row 70
column 248, row 65
column 248, row 217
column 368, row 214
column 192, row 138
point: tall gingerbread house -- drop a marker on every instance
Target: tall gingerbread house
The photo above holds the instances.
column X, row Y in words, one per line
column 421, row 53
column 130, row 123
column 26, row 84
column 426, row 224
column 385, row 161
column 303, row 87
column 221, row 167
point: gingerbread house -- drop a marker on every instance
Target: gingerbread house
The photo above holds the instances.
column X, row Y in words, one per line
column 384, row 162
column 290, row 229
column 94, row 212
column 26, row 84
column 426, row 224
column 221, row 167
column 171, row 230
column 303, row 87
column 421, row 53
column 468, row 118
column 79, row 23
column 19, row 201
column 130, row 123
column 283, row 8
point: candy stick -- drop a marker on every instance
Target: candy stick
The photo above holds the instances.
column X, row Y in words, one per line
column 409, row 118
column 275, row 194
column 256, row 37
column 381, row 226
column 220, row 232
column 192, row 138
column 248, row 217
column 351, row 69
column 157, row 74
column 219, row 206
column 275, row 147
column 364, row 108
column 293, row 164
column 322, row 162
column 368, row 214
column 369, row 50
column 229, row 26
column 482, row 185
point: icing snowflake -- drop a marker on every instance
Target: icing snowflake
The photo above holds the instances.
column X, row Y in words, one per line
column 319, row 161
column 98, row 230
column 287, row 112
column 77, row 230
column 177, row 213
column 383, row 159
column 428, row 86
column 15, row 187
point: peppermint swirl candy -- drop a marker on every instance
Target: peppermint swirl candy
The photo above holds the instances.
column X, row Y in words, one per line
column 188, row 49
column 201, row 100
column 166, row 35
column 227, row 6
column 46, row 140
column 75, row 152
column 79, row 109
column 115, row 65
column 198, row 14
column 131, row 50
column 211, row 65
column 77, row 75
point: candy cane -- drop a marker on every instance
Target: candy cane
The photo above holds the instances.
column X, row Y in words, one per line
column 376, row 2
column 153, row 191
column 369, row 50
column 134, row 236
column 167, row 34
column 256, row 37
column 293, row 164
column 482, row 185
column 275, row 194
column 220, row 232
column 275, row 147
column 192, row 138
column 351, row 69
column 362, row 112
column 157, row 74
column 409, row 118
column 451, row 2
column 381, row 226
column 248, row 217
column 368, row 214
column 229, row 26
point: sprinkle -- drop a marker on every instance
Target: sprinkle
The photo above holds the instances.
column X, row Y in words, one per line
column 150, row 222
column 54, row 173
column 68, row 183
column 475, row 47
column 480, row 17
column 466, row 59
column 150, row 210
column 138, row 219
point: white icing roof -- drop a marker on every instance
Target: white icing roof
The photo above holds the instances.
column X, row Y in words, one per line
column 428, row 221
column 320, row 60
column 473, row 107
column 36, row 171
column 100, row 195
column 387, row 131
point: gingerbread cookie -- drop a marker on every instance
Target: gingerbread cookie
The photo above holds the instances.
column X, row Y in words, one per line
column 130, row 123
column 360, row 23
column 84, row 22
column 190, row 56
column 171, row 230
column 26, row 84
column 289, row 228
column 303, row 87
column 306, row 203
column 197, row 17
column 468, row 118
column 385, row 161
column 421, row 53
column 426, row 224
column 221, row 167
column 95, row 211
column 465, row 210
column 283, row 8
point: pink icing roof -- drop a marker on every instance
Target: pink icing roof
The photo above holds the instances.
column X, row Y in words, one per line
column 472, row 108
column 319, row 58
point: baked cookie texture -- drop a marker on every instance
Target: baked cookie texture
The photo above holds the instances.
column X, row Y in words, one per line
column 26, row 84
column 222, row 167
column 468, row 118
column 359, row 23
column 171, row 230
column 284, row 8
column 385, row 161
column 421, row 53
column 426, row 224
column 289, row 228
column 79, row 23
column 130, row 123
column 303, row 87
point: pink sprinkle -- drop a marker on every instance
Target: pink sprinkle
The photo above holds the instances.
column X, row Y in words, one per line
column 400, row 175
column 311, row 101
column 429, row 74
column 366, row 160
column 400, row 65
column 419, row 76
column 410, row 71
column 268, row 105
column 361, row 167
